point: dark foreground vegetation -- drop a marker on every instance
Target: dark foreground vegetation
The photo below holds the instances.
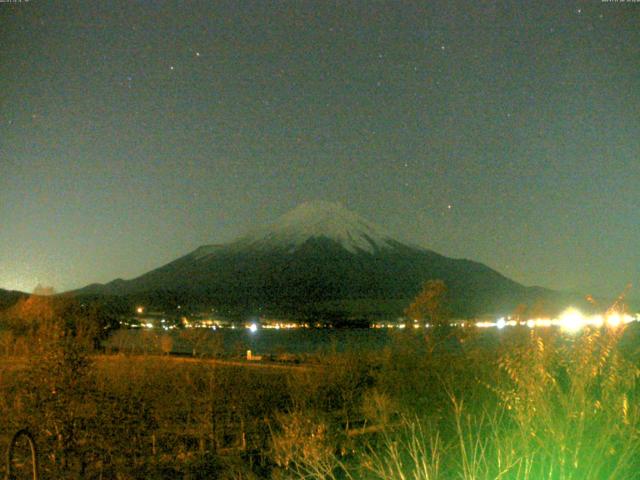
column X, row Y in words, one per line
column 443, row 405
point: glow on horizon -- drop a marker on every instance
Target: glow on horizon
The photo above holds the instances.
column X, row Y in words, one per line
column 571, row 320
column 16, row 285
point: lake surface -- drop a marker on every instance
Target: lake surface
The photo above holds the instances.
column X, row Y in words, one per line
column 262, row 342
column 300, row 341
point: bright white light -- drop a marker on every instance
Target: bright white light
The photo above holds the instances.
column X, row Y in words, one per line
column 253, row 327
column 614, row 319
column 572, row 320
column 543, row 322
column 485, row 324
column 597, row 321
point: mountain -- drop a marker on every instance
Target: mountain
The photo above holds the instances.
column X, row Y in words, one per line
column 9, row 298
column 319, row 260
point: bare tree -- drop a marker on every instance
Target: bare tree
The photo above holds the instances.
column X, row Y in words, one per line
column 429, row 304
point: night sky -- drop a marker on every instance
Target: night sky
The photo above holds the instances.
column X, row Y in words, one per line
column 507, row 132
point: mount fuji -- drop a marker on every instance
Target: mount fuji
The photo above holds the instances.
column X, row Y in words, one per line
column 320, row 260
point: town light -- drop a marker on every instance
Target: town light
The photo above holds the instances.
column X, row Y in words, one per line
column 572, row 320
column 614, row 319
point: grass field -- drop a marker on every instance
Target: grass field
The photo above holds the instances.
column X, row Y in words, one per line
column 522, row 405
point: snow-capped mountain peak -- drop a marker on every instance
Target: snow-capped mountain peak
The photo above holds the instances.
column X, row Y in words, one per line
column 320, row 220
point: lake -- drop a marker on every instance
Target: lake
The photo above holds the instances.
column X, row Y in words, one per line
column 299, row 341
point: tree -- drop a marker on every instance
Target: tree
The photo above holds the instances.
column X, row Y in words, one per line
column 56, row 401
column 429, row 304
column 519, row 312
column 197, row 338
column 539, row 309
column 89, row 323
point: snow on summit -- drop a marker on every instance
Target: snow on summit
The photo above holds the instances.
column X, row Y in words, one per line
column 320, row 219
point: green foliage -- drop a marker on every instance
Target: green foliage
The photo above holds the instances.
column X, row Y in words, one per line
column 557, row 407
column 574, row 404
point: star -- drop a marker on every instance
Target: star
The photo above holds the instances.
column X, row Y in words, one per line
column 197, row 54
column 171, row 67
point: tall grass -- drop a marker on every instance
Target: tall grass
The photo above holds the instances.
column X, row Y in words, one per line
column 522, row 405
column 559, row 406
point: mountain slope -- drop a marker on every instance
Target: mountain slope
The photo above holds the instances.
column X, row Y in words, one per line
column 9, row 297
column 319, row 259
